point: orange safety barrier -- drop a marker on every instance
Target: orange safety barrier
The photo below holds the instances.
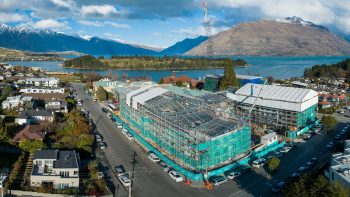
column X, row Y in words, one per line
column 208, row 185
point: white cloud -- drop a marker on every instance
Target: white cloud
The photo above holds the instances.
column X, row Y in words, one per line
column 344, row 23
column 50, row 24
column 118, row 25
column 9, row 17
column 98, row 10
column 64, row 3
column 91, row 23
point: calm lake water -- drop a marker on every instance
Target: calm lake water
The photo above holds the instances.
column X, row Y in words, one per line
column 278, row 67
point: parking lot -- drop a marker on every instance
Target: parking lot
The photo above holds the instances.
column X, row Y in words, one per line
column 151, row 179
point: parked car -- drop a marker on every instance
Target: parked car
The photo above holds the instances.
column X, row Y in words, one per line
column 279, row 154
column 285, row 149
column 337, row 137
column 120, row 170
column 306, row 136
column 124, row 179
column 119, row 125
column 101, row 145
column 98, row 138
column 301, row 170
column 330, row 145
column 130, row 136
column 175, row 175
column 278, row 187
column 125, row 131
column 105, row 110
column 218, row 180
column 259, row 163
column 153, row 157
column 164, row 166
column 233, row 175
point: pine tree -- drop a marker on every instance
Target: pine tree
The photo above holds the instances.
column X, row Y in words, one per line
column 229, row 79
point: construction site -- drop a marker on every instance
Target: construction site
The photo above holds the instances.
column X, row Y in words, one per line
column 276, row 107
column 198, row 133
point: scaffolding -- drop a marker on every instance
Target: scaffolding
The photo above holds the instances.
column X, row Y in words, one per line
column 198, row 133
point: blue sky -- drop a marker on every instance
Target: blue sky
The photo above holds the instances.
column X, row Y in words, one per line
column 162, row 23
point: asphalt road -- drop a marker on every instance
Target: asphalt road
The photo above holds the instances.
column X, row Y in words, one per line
column 150, row 180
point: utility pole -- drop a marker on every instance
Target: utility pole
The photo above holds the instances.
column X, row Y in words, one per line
column 130, row 183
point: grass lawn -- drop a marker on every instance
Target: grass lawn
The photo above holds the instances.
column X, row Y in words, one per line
column 69, row 78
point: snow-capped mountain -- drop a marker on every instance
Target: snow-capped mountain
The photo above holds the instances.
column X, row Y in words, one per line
column 45, row 40
column 299, row 21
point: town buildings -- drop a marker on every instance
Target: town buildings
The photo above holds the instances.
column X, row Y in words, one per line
column 59, row 168
column 30, row 132
column 17, row 102
column 211, row 82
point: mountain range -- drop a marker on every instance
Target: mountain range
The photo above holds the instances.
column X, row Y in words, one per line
column 291, row 36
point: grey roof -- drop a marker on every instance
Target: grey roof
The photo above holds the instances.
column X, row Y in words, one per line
column 30, row 113
column 66, row 159
column 63, row 158
column 46, row 154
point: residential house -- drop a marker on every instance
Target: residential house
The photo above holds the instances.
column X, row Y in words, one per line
column 17, row 102
column 34, row 116
column 339, row 169
column 44, row 81
column 30, row 132
column 36, row 90
column 56, row 105
column 59, row 168
column 324, row 104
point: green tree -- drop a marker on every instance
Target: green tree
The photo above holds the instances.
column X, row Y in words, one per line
column 161, row 81
column 297, row 188
column 101, row 94
column 85, row 142
column 229, row 79
column 4, row 136
column 31, row 145
column 338, row 190
column 273, row 164
column 319, row 187
column 179, row 84
column 329, row 122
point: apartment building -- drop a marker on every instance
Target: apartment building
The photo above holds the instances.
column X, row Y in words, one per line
column 44, row 81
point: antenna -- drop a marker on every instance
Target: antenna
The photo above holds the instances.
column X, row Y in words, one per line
column 207, row 28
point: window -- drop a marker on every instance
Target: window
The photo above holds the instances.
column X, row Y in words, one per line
column 75, row 172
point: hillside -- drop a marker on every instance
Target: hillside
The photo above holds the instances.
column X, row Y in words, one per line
column 287, row 37
column 147, row 63
column 338, row 70
column 183, row 46
column 35, row 40
column 5, row 52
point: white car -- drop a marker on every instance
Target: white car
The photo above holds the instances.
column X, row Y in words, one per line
column 125, row 131
column 119, row 125
column 130, row 137
column 259, row 163
column 285, row 149
column 125, row 180
column 153, row 157
column 233, row 175
column 217, row 181
column 175, row 175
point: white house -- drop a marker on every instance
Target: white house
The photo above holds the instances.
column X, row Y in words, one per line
column 268, row 139
column 37, row 90
column 55, row 167
column 34, row 116
column 45, row 81
column 56, row 105
column 19, row 101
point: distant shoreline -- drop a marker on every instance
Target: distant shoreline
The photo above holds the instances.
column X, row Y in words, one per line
column 155, row 69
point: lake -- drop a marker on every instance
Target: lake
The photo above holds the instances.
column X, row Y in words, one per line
column 278, row 67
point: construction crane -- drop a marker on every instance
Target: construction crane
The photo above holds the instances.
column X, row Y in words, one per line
column 207, row 28
column 254, row 103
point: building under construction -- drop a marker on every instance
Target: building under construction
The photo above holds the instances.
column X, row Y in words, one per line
column 199, row 133
column 276, row 106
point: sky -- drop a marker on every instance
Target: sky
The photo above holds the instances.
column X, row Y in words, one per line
column 162, row 23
